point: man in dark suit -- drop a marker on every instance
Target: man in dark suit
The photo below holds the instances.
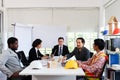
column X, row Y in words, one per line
column 80, row 52
column 60, row 49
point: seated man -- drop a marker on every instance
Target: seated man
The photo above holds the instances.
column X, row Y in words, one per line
column 60, row 49
column 94, row 66
column 80, row 52
column 10, row 64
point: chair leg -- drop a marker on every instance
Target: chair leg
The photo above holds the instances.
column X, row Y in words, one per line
column 102, row 78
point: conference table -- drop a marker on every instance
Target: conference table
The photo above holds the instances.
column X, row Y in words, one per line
column 58, row 73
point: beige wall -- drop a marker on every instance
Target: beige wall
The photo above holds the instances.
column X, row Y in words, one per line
column 52, row 3
column 76, row 19
column 53, row 12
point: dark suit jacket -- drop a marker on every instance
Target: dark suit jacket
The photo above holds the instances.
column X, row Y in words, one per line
column 82, row 55
column 33, row 55
column 56, row 49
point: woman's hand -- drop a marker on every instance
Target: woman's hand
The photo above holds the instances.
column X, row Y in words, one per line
column 45, row 57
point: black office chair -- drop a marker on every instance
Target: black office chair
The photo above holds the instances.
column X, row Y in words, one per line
column 22, row 57
column 91, row 54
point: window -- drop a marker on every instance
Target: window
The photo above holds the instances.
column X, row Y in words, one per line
column 46, row 51
column 89, row 38
column 71, row 41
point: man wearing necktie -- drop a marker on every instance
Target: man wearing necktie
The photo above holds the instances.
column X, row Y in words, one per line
column 60, row 49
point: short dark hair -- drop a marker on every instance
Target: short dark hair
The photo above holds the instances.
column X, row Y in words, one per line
column 82, row 39
column 60, row 38
column 100, row 43
column 36, row 42
column 11, row 40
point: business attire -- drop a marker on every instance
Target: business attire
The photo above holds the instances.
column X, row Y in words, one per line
column 34, row 54
column 82, row 54
column 60, row 50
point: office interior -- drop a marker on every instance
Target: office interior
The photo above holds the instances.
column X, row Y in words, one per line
column 50, row 19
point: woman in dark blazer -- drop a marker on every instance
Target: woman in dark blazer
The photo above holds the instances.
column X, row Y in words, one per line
column 34, row 53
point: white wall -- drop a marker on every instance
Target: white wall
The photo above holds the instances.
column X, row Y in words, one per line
column 52, row 13
column 113, row 10
column 76, row 19
column 0, row 3
column 52, row 3
column 105, row 1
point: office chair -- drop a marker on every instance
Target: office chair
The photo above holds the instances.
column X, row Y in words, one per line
column 91, row 54
column 22, row 57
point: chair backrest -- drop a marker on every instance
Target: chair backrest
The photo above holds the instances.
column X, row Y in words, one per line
column 91, row 54
column 103, row 68
column 23, row 58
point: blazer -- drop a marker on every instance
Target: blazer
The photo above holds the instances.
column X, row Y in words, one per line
column 82, row 55
column 9, row 62
column 33, row 55
column 55, row 50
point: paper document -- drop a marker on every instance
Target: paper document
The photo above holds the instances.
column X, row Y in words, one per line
column 35, row 64
column 72, row 58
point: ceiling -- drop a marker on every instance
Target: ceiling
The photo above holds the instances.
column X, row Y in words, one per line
column 53, row 3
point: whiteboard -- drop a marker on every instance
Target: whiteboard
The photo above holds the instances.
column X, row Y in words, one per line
column 49, row 34
column 24, row 35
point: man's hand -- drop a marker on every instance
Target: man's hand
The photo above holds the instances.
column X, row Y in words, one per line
column 16, row 74
column 79, row 63
column 64, row 59
column 52, row 55
column 45, row 57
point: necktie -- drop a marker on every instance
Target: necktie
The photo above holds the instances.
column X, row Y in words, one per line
column 38, row 53
column 60, row 51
